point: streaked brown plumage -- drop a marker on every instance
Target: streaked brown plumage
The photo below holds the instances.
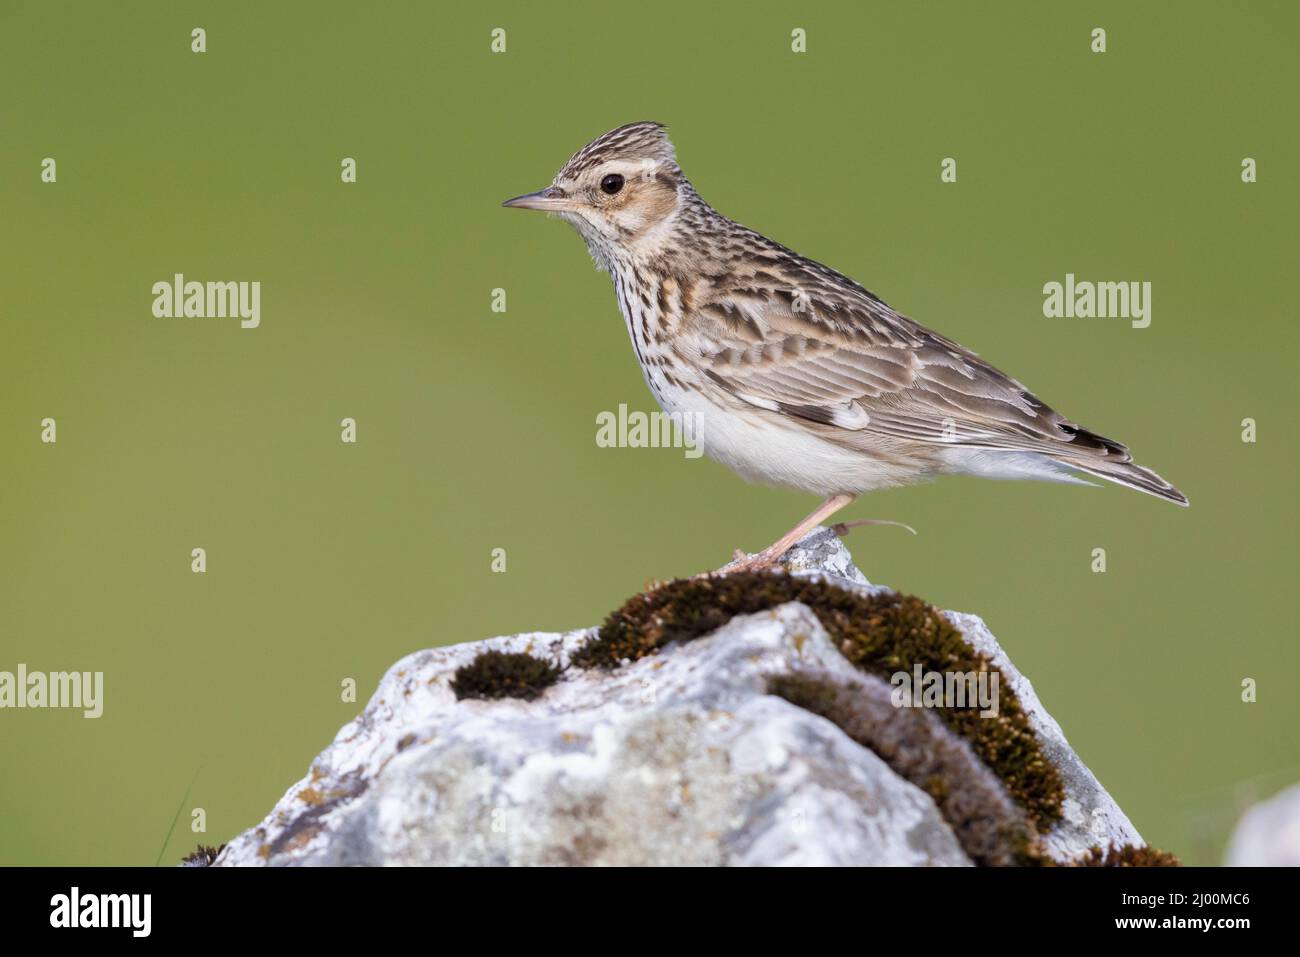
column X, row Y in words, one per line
column 797, row 375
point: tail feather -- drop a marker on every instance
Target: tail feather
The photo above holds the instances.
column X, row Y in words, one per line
column 1131, row 475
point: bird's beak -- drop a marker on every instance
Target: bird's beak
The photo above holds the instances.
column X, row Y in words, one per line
column 550, row 200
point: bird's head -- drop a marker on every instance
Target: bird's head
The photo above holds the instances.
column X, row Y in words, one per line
column 621, row 192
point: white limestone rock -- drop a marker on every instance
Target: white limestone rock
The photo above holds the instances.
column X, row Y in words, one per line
column 1268, row 835
column 679, row 758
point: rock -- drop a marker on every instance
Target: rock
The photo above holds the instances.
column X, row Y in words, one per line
column 1268, row 835
column 1090, row 816
column 682, row 757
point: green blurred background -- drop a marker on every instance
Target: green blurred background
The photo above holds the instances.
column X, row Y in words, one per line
column 477, row 429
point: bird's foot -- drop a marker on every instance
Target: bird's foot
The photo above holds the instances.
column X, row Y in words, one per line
column 743, row 562
column 758, row 562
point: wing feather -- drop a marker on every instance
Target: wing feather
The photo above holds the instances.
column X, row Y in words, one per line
column 823, row 349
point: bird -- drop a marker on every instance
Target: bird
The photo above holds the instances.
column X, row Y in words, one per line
column 793, row 374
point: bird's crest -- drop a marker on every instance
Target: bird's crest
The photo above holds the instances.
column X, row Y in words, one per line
column 645, row 141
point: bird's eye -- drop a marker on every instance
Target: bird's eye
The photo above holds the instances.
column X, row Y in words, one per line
column 611, row 184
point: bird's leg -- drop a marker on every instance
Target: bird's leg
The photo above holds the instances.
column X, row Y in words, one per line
column 772, row 554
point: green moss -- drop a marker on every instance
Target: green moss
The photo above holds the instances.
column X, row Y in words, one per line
column 991, row 828
column 202, row 856
column 880, row 634
column 499, row 674
column 1130, row 855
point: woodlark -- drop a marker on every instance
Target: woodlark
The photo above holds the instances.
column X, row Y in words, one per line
column 791, row 373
